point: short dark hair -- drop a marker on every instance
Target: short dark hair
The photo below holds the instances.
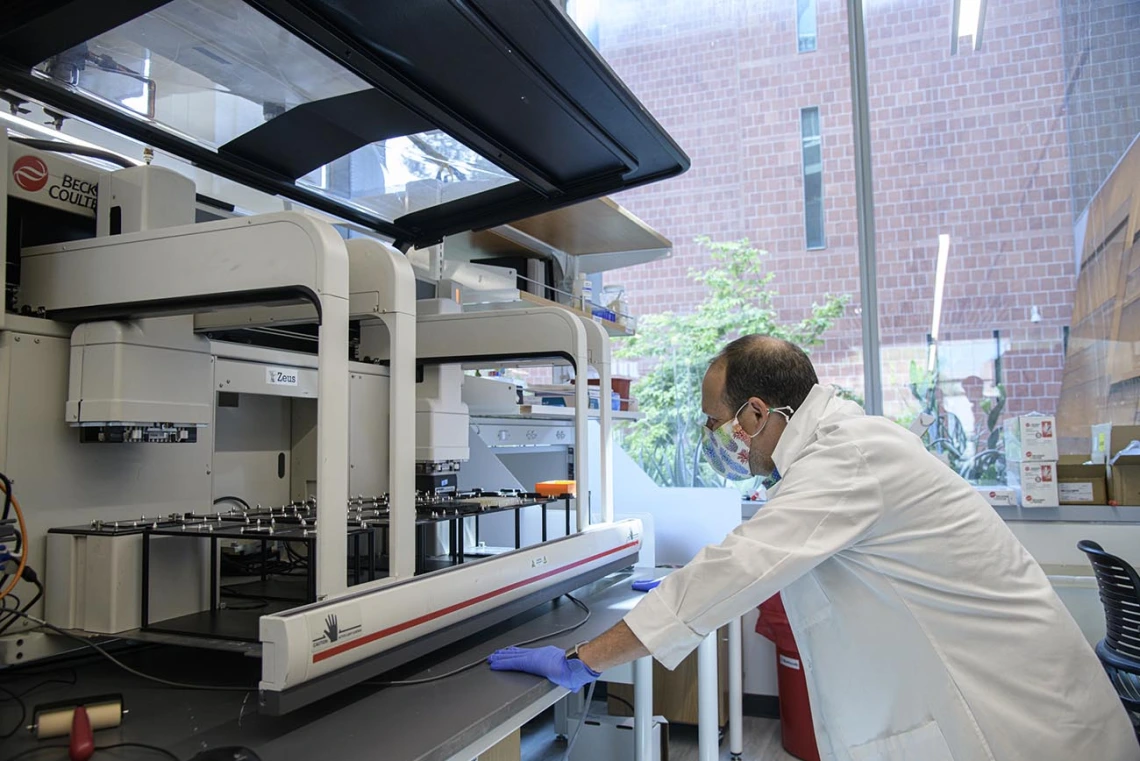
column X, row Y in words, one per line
column 777, row 371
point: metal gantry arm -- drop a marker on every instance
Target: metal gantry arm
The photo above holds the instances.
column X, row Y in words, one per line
column 519, row 334
column 598, row 353
column 516, row 334
column 383, row 286
column 274, row 258
column 382, row 295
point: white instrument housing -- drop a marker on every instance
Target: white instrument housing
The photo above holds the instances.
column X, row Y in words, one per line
column 350, row 632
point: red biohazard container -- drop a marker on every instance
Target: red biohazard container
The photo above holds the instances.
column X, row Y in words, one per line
column 795, row 709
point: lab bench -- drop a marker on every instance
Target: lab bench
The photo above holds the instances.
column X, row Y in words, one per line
column 456, row 718
column 1062, row 514
column 1071, row 514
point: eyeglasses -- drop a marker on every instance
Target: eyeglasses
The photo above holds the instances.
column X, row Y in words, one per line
column 711, row 423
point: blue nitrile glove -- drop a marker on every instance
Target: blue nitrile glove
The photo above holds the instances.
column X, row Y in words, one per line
column 645, row 585
column 550, row 662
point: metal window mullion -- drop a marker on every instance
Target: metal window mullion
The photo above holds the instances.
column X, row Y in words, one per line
column 864, row 208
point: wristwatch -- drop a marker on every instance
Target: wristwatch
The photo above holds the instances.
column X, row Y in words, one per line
column 572, row 653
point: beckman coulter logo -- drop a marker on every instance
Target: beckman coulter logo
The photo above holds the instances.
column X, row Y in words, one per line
column 30, row 173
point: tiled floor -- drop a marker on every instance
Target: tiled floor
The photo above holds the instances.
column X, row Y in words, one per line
column 761, row 741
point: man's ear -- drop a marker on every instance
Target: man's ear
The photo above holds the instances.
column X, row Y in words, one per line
column 757, row 406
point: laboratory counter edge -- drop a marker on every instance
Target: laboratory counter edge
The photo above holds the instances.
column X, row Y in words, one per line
column 424, row 722
column 1063, row 514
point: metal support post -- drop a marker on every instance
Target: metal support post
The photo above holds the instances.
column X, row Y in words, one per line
column 735, row 687
column 562, row 718
column 865, row 210
column 708, row 733
column 643, row 709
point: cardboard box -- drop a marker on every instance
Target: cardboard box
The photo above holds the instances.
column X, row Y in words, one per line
column 508, row 749
column 675, row 692
column 1031, row 438
column 1081, row 484
column 1124, row 482
column 999, row 496
column 1035, row 482
column 1108, row 439
column 1124, row 474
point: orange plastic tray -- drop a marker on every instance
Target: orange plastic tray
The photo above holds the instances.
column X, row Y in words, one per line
column 555, row 488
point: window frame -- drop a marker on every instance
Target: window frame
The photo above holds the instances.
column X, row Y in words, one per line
column 813, row 6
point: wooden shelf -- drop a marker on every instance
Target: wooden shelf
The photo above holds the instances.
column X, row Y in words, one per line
column 599, row 234
column 614, row 330
column 549, row 412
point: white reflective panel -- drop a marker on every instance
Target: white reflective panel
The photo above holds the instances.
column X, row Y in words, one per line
column 212, row 70
column 207, row 69
column 376, row 177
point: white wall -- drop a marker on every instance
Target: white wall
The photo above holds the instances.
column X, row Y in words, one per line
column 1054, row 546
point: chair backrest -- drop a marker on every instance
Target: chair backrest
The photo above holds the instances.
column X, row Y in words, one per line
column 1120, row 593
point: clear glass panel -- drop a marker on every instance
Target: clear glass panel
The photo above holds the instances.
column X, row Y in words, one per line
column 208, row 69
column 1005, row 218
column 726, row 80
column 212, row 70
column 806, row 25
column 405, row 174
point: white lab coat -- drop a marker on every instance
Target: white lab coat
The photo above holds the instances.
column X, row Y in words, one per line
column 926, row 630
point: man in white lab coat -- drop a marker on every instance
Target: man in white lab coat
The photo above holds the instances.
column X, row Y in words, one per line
column 926, row 630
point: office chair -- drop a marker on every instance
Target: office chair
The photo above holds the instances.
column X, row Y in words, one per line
column 1119, row 651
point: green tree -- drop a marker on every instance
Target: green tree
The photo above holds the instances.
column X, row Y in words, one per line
column 739, row 301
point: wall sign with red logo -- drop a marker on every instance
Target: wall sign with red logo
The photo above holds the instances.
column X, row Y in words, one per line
column 53, row 181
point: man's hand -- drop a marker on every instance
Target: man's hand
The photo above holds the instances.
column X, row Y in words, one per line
column 550, row 662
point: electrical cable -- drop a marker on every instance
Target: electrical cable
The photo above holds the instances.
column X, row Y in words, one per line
column 128, row 669
column 9, row 497
column 23, row 712
column 4, row 603
column 144, row 746
column 69, row 682
column 481, row 661
column 39, row 593
column 620, row 700
column 18, row 697
column 581, row 721
column 233, row 567
column 238, row 500
column 256, row 606
column 298, row 561
column 33, row 751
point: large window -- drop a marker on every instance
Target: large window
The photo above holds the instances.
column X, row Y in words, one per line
column 813, row 177
column 1003, row 183
column 728, row 83
column 805, row 25
column 1007, row 227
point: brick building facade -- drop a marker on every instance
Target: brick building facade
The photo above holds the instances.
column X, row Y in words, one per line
column 975, row 146
column 1102, row 61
